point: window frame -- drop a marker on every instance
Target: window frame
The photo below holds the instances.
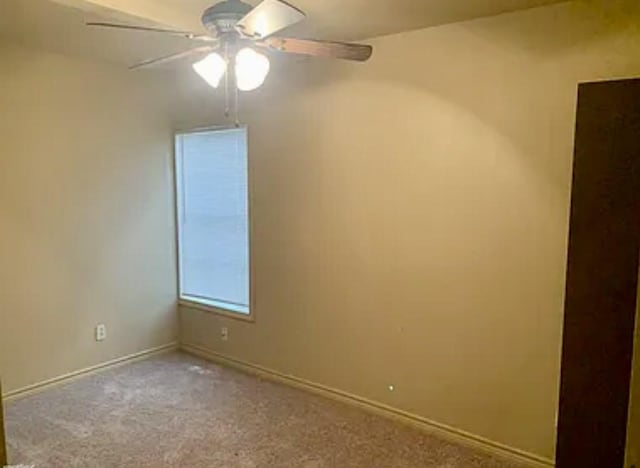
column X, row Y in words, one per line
column 203, row 304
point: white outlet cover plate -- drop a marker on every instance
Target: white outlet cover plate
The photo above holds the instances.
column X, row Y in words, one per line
column 101, row 332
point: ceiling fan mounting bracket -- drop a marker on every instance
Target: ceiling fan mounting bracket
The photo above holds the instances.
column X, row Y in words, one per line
column 222, row 17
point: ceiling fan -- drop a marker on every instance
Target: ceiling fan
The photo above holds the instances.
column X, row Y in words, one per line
column 234, row 30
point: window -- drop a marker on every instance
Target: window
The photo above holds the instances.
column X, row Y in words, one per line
column 213, row 218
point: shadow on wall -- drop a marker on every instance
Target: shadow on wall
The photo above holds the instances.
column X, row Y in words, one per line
column 530, row 64
column 593, row 22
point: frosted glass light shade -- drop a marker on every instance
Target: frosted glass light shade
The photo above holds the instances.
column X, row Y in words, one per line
column 252, row 69
column 211, row 68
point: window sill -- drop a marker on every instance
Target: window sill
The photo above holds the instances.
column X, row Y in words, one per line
column 227, row 310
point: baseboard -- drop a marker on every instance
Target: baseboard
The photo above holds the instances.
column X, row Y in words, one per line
column 441, row 430
column 40, row 386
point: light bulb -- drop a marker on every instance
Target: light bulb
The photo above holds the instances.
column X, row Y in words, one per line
column 211, row 68
column 252, row 69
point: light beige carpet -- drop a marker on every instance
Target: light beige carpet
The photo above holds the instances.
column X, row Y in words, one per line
column 179, row 411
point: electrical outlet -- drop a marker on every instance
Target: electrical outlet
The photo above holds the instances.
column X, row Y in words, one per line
column 101, row 332
column 224, row 333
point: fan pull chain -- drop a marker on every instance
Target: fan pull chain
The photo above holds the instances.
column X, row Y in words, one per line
column 227, row 91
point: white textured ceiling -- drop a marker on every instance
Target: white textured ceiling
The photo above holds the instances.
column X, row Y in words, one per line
column 58, row 25
column 56, row 28
column 357, row 19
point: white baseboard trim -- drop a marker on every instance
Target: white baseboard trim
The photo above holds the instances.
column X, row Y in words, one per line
column 40, row 386
column 441, row 430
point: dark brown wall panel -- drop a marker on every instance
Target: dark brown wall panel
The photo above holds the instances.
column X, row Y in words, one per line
column 602, row 277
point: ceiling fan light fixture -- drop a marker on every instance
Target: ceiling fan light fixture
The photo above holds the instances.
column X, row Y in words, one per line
column 252, row 69
column 211, row 69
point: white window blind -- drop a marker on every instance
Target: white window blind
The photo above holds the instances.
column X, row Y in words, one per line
column 213, row 218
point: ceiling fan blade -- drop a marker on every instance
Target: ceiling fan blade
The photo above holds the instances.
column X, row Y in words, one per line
column 328, row 49
column 187, row 34
column 169, row 58
column 268, row 18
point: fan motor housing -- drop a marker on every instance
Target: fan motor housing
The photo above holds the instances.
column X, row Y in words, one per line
column 222, row 17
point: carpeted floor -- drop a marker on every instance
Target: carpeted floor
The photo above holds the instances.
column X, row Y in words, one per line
column 179, row 411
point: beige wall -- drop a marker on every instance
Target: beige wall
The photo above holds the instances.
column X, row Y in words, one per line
column 86, row 224
column 410, row 216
